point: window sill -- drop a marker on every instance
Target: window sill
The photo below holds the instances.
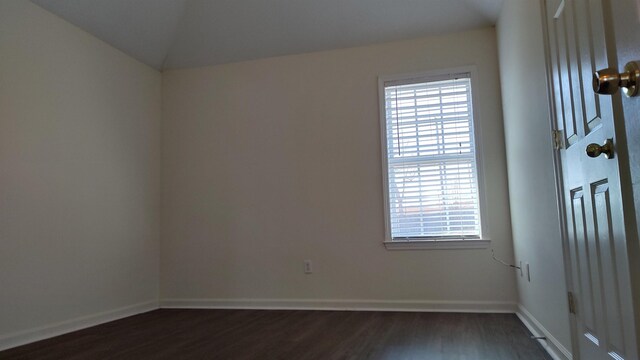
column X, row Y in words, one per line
column 437, row 244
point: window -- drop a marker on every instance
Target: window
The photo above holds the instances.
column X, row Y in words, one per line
column 431, row 164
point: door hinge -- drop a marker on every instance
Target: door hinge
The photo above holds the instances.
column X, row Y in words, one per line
column 556, row 137
column 572, row 303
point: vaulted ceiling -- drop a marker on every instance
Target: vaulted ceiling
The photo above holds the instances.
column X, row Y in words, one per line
column 169, row 34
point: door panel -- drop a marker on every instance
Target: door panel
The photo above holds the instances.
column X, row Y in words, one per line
column 580, row 252
column 607, row 260
column 573, row 69
column 593, row 196
column 587, row 43
column 565, row 82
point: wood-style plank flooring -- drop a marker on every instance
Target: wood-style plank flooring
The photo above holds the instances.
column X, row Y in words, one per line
column 297, row 335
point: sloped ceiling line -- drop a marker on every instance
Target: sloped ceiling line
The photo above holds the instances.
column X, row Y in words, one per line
column 167, row 34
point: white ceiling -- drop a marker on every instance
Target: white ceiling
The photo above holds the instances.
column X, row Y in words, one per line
column 188, row 33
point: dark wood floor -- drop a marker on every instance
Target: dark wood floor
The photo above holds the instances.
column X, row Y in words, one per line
column 298, row 335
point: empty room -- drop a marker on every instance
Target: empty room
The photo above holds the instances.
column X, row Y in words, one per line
column 320, row 179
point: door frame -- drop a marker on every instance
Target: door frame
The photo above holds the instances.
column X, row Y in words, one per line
column 557, row 172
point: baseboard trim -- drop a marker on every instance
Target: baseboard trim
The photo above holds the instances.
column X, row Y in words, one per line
column 48, row 331
column 555, row 349
column 333, row 304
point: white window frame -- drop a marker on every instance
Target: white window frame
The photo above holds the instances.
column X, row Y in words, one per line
column 483, row 241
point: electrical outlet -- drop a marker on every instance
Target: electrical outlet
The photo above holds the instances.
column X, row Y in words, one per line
column 308, row 268
column 521, row 271
column 528, row 273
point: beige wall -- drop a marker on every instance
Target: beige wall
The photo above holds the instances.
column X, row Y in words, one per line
column 79, row 178
column 534, row 210
column 270, row 162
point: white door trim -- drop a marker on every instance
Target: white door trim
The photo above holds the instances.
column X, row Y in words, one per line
column 557, row 167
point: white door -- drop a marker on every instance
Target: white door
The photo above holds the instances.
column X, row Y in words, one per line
column 597, row 232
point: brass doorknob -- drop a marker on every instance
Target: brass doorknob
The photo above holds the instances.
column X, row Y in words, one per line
column 608, row 81
column 594, row 150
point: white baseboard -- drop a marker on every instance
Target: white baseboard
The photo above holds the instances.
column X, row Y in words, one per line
column 48, row 331
column 332, row 304
column 555, row 349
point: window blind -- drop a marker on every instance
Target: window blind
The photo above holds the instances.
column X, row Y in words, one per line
column 431, row 159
